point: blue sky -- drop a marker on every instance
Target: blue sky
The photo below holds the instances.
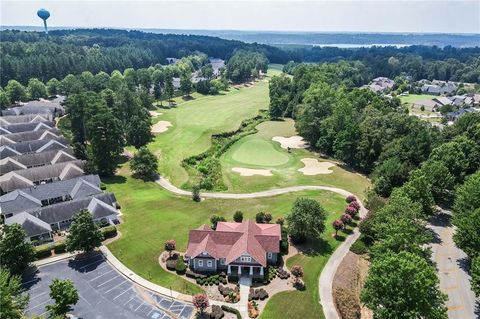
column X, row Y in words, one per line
column 446, row 16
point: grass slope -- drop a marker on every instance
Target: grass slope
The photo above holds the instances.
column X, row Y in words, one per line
column 152, row 215
column 284, row 165
column 195, row 121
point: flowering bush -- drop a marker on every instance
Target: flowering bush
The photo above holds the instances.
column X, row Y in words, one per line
column 337, row 225
column 346, row 219
column 350, row 210
column 355, row 204
column 200, row 301
column 350, row 199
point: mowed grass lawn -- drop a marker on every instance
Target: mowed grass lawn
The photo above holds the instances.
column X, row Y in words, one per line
column 194, row 121
column 152, row 215
column 412, row 98
column 260, row 152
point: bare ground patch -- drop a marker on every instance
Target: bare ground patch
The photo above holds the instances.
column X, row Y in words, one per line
column 314, row 167
column 154, row 113
column 161, row 126
column 295, row 141
column 251, row 172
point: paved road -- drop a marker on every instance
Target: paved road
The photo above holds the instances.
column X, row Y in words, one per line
column 451, row 267
column 104, row 293
column 328, row 272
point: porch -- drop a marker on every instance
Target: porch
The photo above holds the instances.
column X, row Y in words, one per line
column 248, row 270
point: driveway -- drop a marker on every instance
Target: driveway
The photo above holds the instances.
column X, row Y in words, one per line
column 104, row 293
column 452, row 270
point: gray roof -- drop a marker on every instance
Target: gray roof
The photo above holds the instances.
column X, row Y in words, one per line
column 32, row 225
column 100, row 206
column 24, row 127
column 53, row 107
column 28, row 177
column 29, row 198
column 29, row 136
column 25, row 161
column 35, row 146
column 29, row 118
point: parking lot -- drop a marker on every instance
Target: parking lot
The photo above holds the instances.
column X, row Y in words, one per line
column 104, row 293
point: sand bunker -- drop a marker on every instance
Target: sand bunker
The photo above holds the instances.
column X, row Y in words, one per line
column 292, row 142
column 161, row 126
column 314, row 167
column 154, row 113
column 250, row 172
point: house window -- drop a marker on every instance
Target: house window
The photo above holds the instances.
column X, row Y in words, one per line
column 270, row 255
column 222, row 261
column 246, row 259
column 200, row 263
column 209, row 263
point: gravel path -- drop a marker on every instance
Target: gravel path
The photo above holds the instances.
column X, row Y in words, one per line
column 328, row 272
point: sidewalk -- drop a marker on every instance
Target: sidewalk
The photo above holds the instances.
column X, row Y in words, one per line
column 52, row 259
column 141, row 281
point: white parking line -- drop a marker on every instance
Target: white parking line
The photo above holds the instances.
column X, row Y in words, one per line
column 100, row 260
column 85, row 300
column 115, row 287
column 42, row 303
column 101, row 275
column 43, row 293
column 103, row 283
column 122, row 293
column 140, row 305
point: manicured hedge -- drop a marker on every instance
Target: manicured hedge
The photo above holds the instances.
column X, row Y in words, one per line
column 59, row 247
column 43, row 251
column 232, row 310
column 180, row 266
column 109, row 231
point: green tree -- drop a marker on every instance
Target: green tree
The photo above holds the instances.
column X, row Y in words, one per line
column 306, row 220
column 106, row 141
column 186, row 83
column 15, row 91
column 144, row 164
column 53, row 86
column 475, row 270
column 15, row 253
column 279, row 91
column 138, row 131
column 71, row 85
column 403, row 286
column 169, row 89
column 144, row 78
column 4, row 101
column 13, row 299
column 64, row 294
column 158, row 80
column 467, row 235
column 84, row 235
column 100, row 81
column 130, row 76
column 467, row 196
column 441, row 180
column 36, row 89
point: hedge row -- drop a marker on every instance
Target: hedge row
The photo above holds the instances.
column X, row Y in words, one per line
column 43, row 251
column 109, row 231
column 232, row 310
column 212, row 280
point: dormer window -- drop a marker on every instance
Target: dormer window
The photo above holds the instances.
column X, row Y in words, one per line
column 204, row 253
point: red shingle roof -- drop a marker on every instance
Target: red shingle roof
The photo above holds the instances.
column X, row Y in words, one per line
column 231, row 240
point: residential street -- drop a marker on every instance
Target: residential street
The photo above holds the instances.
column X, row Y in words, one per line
column 451, row 265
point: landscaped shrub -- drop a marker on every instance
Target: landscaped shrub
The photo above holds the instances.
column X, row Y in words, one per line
column 59, row 247
column 217, row 312
column 232, row 310
column 180, row 266
column 360, row 246
column 171, row 262
column 283, row 274
column 103, row 186
column 225, row 291
column 109, row 231
column 284, row 241
column 256, row 294
column 347, row 304
column 43, row 251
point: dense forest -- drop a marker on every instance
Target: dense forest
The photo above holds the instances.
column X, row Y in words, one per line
column 414, row 166
column 28, row 55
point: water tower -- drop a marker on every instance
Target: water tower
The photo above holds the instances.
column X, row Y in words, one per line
column 44, row 15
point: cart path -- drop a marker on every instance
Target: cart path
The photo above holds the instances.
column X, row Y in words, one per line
column 326, row 277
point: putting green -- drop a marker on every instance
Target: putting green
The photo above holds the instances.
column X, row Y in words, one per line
column 259, row 152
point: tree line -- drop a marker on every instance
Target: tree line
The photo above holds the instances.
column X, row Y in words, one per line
column 34, row 55
column 414, row 167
